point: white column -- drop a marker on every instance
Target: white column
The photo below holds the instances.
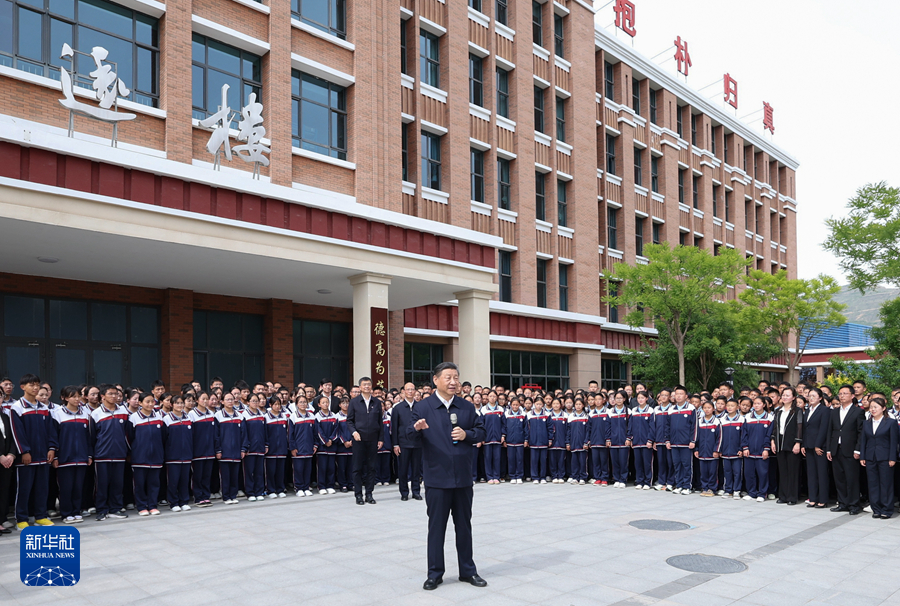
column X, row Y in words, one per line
column 475, row 336
column 369, row 290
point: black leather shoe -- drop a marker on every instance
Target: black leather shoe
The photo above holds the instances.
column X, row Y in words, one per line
column 404, row 498
column 876, row 515
column 474, row 580
column 370, row 500
column 840, row 508
column 359, row 501
column 820, row 506
column 431, row 584
column 417, row 497
column 344, row 489
column 781, row 501
column 810, row 504
column 855, row 511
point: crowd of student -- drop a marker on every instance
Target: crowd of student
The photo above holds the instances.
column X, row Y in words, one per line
column 104, row 450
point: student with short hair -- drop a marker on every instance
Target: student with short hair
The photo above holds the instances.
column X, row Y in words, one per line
column 228, row 444
column 577, row 442
column 302, row 444
column 640, row 433
column 146, row 434
column 733, row 446
column 326, row 431
column 758, row 425
column 276, row 455
column 537, row 438
column 665, row 469
column 72, row 426
column 110, row 449
column 599, row 439
column 253, row 449
column 494, row 419
column 680, row 436
column 708, row 447
column 203, row 443
column 179, row 455
column 557, row 425
column 513, row 439
column 34, row 438
column 344, row 450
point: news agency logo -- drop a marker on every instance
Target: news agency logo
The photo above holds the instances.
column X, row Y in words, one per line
column 49, row 556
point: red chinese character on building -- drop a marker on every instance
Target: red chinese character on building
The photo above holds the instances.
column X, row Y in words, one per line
column 625, row 17
column 682, row 56
column 768, row 118
column 731, row 91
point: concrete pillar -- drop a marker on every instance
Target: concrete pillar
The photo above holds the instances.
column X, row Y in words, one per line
column 584, row 367
column 369, row 290
column 474, row 336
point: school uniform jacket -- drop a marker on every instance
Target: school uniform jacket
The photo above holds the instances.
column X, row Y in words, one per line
column 147, row 436
column 179, row 438
column 514, row 427
column 734, row 438
column 709, row 437
column 577, row 431
column 386, row 432
column 108, row 431
column 557, row 428
column 253, row 433
column 229, row 440
column 661, row 423
column 682, row 426
column 494, row 420
column 599, row 428
column 640, row 427
column 618, row 426
column 326, row 428
column 32, row 430
column 203, row 428
column 73, row 436
column 881, row 445
column 537, row 432
column 277, row 435
column 759, row 433
column 303, row 436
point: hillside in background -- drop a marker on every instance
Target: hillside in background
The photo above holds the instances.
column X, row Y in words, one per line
column 863, row 309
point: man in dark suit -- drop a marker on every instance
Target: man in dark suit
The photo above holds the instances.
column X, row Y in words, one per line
column 447, row 452
column 409, row 453
column 364, row 421
column 843, row 451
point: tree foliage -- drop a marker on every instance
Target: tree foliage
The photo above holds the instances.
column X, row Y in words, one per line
column 887, row 336
column 881, row 375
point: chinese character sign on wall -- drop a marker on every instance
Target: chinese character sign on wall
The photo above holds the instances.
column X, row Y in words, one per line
column 682, row 56
column 625, row 17
column 768, row 118
column 251, row 133
column 731, row 97
column 379, row 336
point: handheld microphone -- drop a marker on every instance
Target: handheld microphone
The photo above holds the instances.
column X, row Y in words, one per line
column 454, row 422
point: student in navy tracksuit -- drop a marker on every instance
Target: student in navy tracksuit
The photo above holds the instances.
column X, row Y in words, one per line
column 229, row 442
column 203, row 443
column 620, row 445
column 758, row 425
column 72, row 426
column 733, row 445
column 344, row 450
column 557, row 425
column 254, row 449
column 708, row 448
column 326, row 429
column 277, row 439
column 878, row 444
column 146, row 433
column 385, row 452
column 179, row 454
column 680, row 437
column 494, row 419
column 514, row 439
column 110, row 450
column 600, row 441
column 537, row 438
column 577, row 442
column 302, row 444
column 665, row 473
column 32, row 430
column 640, row 432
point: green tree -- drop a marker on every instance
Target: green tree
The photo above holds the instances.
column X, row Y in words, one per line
column 675, row 288
column 790, row 312
column 867, row 239
column 887, row 336
column 882, row 375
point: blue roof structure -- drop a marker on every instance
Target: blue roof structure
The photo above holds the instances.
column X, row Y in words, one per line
column 846, row 335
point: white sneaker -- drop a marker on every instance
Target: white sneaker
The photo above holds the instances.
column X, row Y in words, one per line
column 8, row 524
column 536, row 482
column 281, row 495
column 185, row 508
column 323, row 491
column 867, row 509
column 726, row 495
column 669, row 487
column 308, row 493
column 676, row 491
column 176, row 508
column 78, row 519
column 760, row 500
column 543, row 481
column 70, row 520
column 581, row 482
column 241, row 493
column 272, row 495
column 331, row 491
column 737, row 496
column 685, row 491
column 720, row 493
column 659, row 487
column 300, row 493
column 646, row 487
column 772, row 497
column 745, row 497
column 251, row 498
column 638, row 487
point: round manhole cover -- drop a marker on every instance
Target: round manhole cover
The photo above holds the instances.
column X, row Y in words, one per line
column 697, row 562
column 659, row 525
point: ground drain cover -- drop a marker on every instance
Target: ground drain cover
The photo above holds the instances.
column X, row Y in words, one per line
column 659, row 525
column 697, row 562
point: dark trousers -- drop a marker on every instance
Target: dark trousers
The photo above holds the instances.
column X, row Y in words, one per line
column 515, row 461
column 202, row 474
column 364, row 454
column 756, row 472
column 215, row 479
column 817, row 476
column 383, row 470
column 325, row 470
column 52, row 487
column 110, row 486
column 344, row 468
column 229, row 474
column 643, row 466
column 681, row 461
column 732, row 475
column 881, row 487
column 619, row 457
column 846, row 478
column 31, row 478
column 557, row 464
column 442, row 503
column 600, row 463
column 6, row 474
column 409, row 470
column 87, row 489
column 579, row 465
column 71, row 484
column 708, row 470
column 254, row 475
column 538, row 463
column 275, row 474
column 146, row 487
column 178, row 477
column 302, row 472
column 665, row 471
column 492, row 461
column 788, row 476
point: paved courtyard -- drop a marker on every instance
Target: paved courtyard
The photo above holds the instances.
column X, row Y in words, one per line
column 548, row 545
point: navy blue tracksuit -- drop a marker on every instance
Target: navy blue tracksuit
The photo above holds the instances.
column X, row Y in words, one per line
column 179, row 454
column 514, row 426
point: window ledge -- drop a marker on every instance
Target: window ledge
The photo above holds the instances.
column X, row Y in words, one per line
column 433, row 92
column 507, row 215
column 320, row 70
column 481, row 208
column 505, row 31
column 229, row 35
column 435, row 195
column 305, row 153
column 148, row 7
column 543, row 226
column 257, row 6
column 312, row 31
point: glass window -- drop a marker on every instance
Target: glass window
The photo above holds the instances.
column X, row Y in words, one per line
column 611, row 154
column 403, row 58
column 653, row 106
column 319, row 113
column 404, row 142
column 654, row 174
column 503, row 184
column 681, row 185
column 429, row 59
column 537, row 23
column 538, row 109
column 506, row 276
column 321, row 350
column 112, row 326
column 613, row 309
column 638, row 166
column 234, row 347
column 327, row 15
column 215, row 64
column 561, row 119
column 32, row 33
column 513, row 369
column 501, row 12
column 636, row 96
column 564, row 287
column 639, row 236
column 695, row 184
column 728, row 217
column 502, row 92
column 680, row 128
column 540, row 196
column 476, row 4
column 542, row 283
column 609, row 80
column 655, row 233
column 613, row 374
column 419, row 360
column 476, row 81
column 431, row 161
column 558, row 37
column 715, row 200
column 612, row 240
column 693, row 129
column 562, row 203
column 476, row 169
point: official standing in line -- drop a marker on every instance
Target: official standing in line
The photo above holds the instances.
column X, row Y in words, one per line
column 815, row 442
column 448, row 429
column 364, row 421
column 409, row 461
column 846, row 425
column 878, row 443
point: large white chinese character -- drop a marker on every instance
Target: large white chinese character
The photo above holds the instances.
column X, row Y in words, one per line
column 252, row 131
column 220, row 122
column 32, row 542
column 66, row 542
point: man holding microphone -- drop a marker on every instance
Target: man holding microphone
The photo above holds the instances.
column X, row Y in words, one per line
column 447, row 428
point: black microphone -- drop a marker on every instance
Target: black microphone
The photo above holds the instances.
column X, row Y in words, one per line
column 454, row 422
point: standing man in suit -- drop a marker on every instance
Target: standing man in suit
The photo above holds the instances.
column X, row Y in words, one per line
column 815, row 442
column 364, row 421
column 846, row 424
column 409, row 453
column 448, row 450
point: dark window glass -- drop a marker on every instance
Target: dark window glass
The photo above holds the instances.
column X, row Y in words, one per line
column 679, row 126
column 613, row 374
column 639, row 236
column 728, row 217
column 537, row 23
column 542, row 283
column 693, row 129
column 321, row 350
column 561, row 119
column 506, row 276
column 23, row 317
column 715, row 200
column 503, row 184
column 404, row 135
column 683, row 238
column 612, row 240
column 611, row 154
column 558, row 37
column 419, row 359
column 429, row 59
column 403, row 57
column 656, row 236
column 538, row 109
column 540, row 196
column 501, row 12
column 609, row 81
column 653, row 106
column 502, row 92
column 696, row 192
column 564, row 287
column 431, row 161
column 216, row 64
column 476, row 81
column 638, row 166
column 69, row 320
column 561, row 203
column 476, row 4
column 327, row 15
column 112, row 327
column 654, row 174
column 476, row 169
column 144, row 327
column 681, row 185
column 636, row 96
column 613, row 309
column 319, row 115
column 513, row 369
column 234, row 346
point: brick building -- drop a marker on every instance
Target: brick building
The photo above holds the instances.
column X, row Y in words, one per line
column 471, row 169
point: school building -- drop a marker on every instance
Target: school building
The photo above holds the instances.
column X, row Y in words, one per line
column 434, row 181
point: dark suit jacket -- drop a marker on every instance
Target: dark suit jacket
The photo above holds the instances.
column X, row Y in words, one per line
column 793, row 429
column 445, row 464
column 367, row 423
column 848, row 432
column 400, row 417
column 881, row 446
column 6, row 444
column 817, row 428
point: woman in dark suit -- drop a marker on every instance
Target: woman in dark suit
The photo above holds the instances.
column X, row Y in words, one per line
column 7, row 458
column 787, row 436
column 878, row 443
column 817, row 426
